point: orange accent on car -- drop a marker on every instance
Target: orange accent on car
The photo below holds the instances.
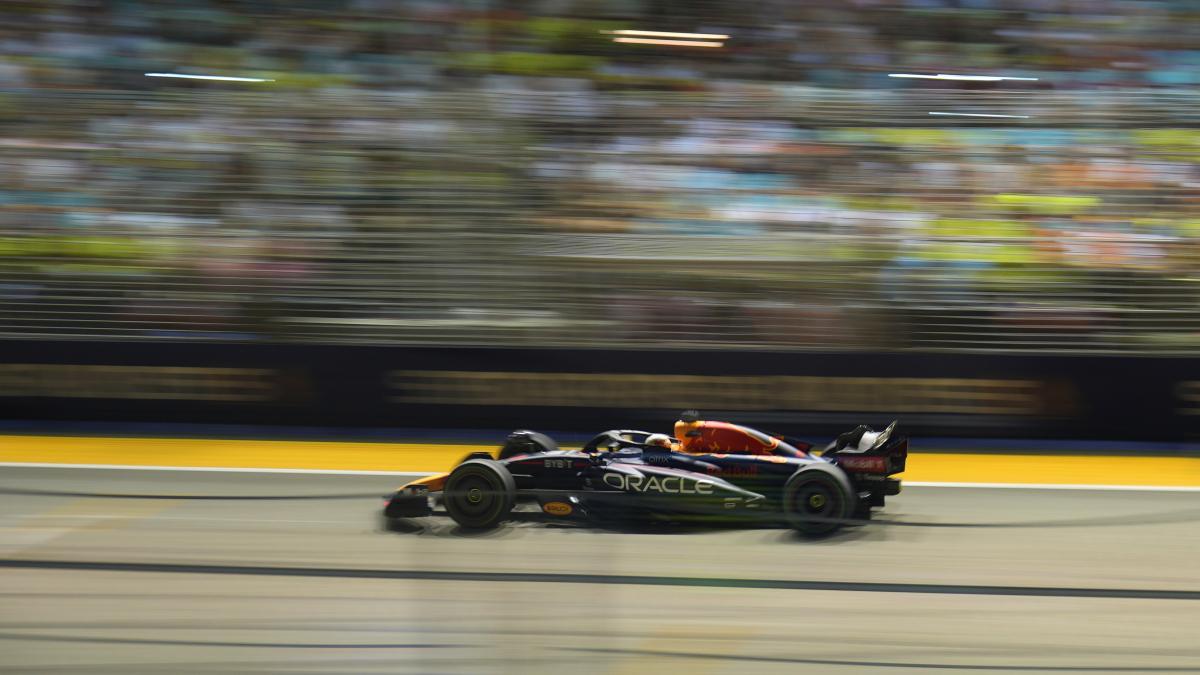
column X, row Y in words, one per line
column 557, row 508
column 435, row 483
column 708, row 437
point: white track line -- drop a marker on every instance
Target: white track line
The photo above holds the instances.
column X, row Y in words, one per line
column 139, row 467
column 346, row 472
column 104, row 516
column 1055, row 486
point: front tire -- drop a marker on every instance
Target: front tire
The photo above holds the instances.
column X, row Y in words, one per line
column 816, row 499
column 479, row 494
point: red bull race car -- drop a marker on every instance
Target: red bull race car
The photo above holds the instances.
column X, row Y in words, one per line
column 708, row 470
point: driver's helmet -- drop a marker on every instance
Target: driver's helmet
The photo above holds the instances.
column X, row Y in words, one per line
column 659, row 440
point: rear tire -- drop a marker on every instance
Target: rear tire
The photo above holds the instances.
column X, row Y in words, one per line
column 479, row 494
column 816, row 499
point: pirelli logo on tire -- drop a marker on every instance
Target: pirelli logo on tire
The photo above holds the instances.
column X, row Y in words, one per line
column 773, row 392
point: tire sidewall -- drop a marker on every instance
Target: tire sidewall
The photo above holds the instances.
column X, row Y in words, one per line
column 831, row 486
column 498, row 481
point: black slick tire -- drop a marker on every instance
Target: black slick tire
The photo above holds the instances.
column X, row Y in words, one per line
column 816, row 499
column 479, row 494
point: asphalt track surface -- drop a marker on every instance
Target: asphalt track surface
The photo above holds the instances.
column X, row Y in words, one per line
column 271, row 572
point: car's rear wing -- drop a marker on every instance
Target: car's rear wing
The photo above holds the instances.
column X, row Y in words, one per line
column 866, row 451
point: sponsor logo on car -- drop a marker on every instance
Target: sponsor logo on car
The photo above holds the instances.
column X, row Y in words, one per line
column 557, row 508
column 743, row 470
column 664, row 484
column 870, row 463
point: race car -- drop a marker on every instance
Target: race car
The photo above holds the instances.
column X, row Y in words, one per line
column 719, row 470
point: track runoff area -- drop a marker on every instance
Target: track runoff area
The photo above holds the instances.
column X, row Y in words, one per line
column 1115, row 471
column 268, row 556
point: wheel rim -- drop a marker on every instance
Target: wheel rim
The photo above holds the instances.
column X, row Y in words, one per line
column 816, row 500
column 479, row 496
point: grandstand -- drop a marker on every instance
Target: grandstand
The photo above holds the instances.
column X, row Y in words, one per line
column 420, row 173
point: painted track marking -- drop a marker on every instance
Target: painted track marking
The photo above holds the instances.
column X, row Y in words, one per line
column 604, row 579
column 418, row 474
column 1048, row 472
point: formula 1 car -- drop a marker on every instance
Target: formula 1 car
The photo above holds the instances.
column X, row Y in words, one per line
column 619, row 475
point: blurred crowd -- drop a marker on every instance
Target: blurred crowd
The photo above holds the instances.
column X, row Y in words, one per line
column 491, row 172
column 382, row 44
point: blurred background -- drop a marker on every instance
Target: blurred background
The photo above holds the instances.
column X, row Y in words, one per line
column 224, row 223
column 417, row 174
